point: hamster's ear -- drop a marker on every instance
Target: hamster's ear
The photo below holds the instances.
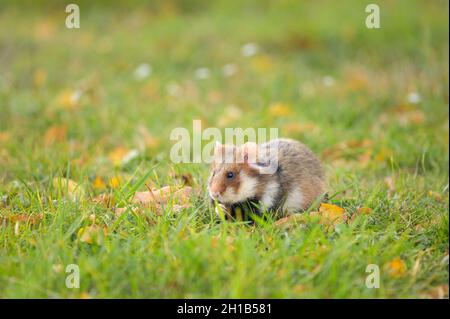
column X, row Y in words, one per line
column 262, row 163
column 250, row 152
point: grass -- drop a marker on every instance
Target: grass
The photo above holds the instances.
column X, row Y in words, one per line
column 340, row 88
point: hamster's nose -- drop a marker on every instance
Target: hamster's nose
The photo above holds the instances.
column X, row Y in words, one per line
column 214, row 195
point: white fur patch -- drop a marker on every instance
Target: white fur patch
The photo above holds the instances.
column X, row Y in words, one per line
column 246, row 190
column 269, row 194
column 294, row 201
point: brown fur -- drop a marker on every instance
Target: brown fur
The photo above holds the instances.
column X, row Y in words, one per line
column 298, row 170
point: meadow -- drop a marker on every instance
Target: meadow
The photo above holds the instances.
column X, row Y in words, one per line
column 85, row 120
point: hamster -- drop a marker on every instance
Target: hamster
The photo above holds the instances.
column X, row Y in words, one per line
column 281, row 174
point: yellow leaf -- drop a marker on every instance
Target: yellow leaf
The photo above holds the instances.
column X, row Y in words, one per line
column 57, row 268
column 5, row 136
column 116, row 156
column 356, row 79
column 92, row 234
column 114, row 182
column 214, row 241
column 396, row 267
column 69, row 99
column 383, row 154
column 280, row 109
column 262, row 63
column 85, row 295
column 44, row 30
column 435, row 195
column 299, row 288
column 98, row 183
column 39, row 77
column 329, row 214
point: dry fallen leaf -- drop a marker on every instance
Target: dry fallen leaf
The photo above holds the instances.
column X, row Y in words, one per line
column 299, row 289
column 163, row 195
column 74, row 191
column 329, row 214
column 145, row 139
column 363, row 148
column 435, row 195
column 120, row 210
column 404, row 115
column 290, row 220
column 364, row 159
column 439, row 292
column 22, row 218
column 157, row 199
column 55, row 134
column 92, row 234
column 389, row 182
column 356, row 79
column 105, row 200
column 57, row 268
column 5, row 136
column 415, row 117
column 44, row 30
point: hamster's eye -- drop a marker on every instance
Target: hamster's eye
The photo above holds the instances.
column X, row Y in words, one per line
column 230, row 175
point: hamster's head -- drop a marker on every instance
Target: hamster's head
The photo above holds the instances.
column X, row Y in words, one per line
column 233, row 178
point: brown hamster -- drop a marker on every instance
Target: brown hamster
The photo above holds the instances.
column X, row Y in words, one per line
column 290, row 179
